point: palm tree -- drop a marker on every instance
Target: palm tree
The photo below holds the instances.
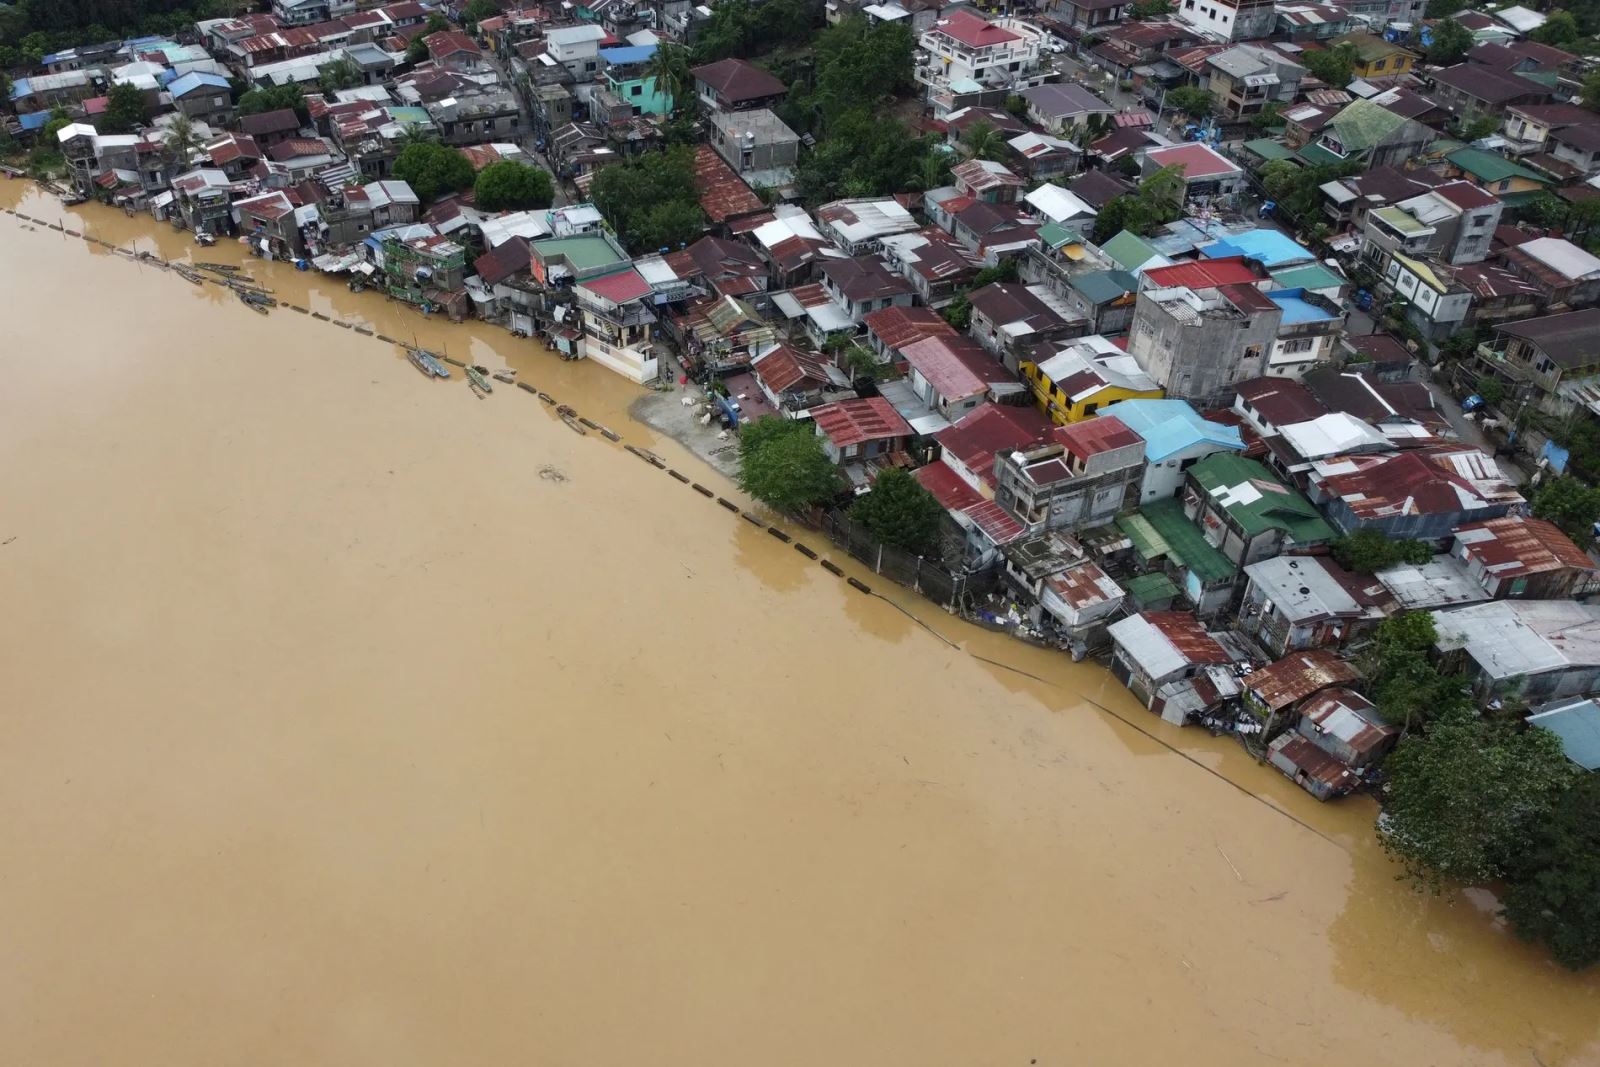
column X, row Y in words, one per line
column 983, row 141
column 414, row 133
column 670, row 69
column 182, row 139
column 932, row 169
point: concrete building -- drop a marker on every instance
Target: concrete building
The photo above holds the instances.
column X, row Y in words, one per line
column 1228, row 20
column 1199, row 345
column 1084, row 476
column 1301, row 602
column 1176, row 437
column 757, row 145
column 1534, row 650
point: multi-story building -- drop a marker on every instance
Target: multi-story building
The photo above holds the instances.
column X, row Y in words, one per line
column 1246, row 78
column 1228, row 20
column 964, row 47
column 1552, row 361
column 618, row 323
column 1085, row 475
column 1245, row 512
column 1199, row 344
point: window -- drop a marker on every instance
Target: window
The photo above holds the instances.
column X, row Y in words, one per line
column 635, row 90
column 1302, row 344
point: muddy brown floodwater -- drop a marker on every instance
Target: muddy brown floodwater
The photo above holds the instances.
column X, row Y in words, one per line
column 333, row 733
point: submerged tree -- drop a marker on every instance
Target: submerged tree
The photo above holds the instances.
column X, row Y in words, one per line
column 783, row 465
column 900, row 512
column 1555, row 876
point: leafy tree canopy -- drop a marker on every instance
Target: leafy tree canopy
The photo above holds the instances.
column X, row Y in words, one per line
column 125, row 109
column 1555, row 876
column 342, row 73
column 512, row 186
column 782, row 464
column 1158, row 200
column 1151, row 9
column 1462, row 798
column 651, row 201
column 1335, row 66
column 899, row 512
column 433, row 170
column 1191, row 100
column 1366, row 551
column 865, row 155
column 274, row 98
column 1570, row 504
column 1560, row 29
column 744, row 29
column 1451, row 40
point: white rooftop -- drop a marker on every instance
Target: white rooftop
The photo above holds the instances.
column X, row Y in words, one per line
column 1512, row 638
column 1331, row 435
column 1058, row 204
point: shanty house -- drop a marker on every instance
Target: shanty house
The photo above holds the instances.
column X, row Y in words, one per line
column 1158, row 650
column 1304, row 602
column 1247, row 513
column 1520, row 557
column 1531, row 649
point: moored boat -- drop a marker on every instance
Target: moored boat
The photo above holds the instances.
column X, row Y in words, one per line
column 478, row 380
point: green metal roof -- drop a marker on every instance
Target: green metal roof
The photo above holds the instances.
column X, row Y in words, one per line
column 1362, row 124
column 1257, row 500
column 1267, row 148
column 1185, row 544
column 1318, row 156
column 1129, row 250
column 1307, row 276
column 1150, row 588
column 1103, row 286
column 1146, row 541
column 1488, row 167
column 1056, row 235
column 1401, row 221
column 582, row 252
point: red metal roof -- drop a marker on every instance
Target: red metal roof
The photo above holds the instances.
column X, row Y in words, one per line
column 896, row 327
column 1204, row 273
column 1188, row 635
column 449, row 42
column 783, row 368
column 956, row 367
column 974, row 30
column 852, row 422
column 990, row 429
column 1512, row 547
column 723, row 194
column 619, row 288
column 956, row 495
column 1094, row 436
column 1298, row 675
column 1197, row 160
column 1335, row 711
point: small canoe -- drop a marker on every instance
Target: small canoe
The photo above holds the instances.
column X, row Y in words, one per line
column 478, row 380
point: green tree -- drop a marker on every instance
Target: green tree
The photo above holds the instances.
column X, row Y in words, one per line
column 512, row 186
column 274, row 98
column 1158, row 200
column 958, row 313
column 1555, row 878
column 1017, row 106
column 933, row 170
column 1570, row 504
column 1403, row 681
column 433, row 170
column 477, row 11
column 342, row 73
column 900, row 513
column 58, row 120
column 1191, row 100
column 1334, row 67
column 1451, row 40
column 1367, row 551
column 742, row 28
column 417, row 50
column 863, row 155
column 1462, row 798
column 669, row 69
column 782, row 464
column 1491, row 391
column 1270, row 115
column 182, row 139
column 436, row 22
column 1443, row 9
column 1590, row 94
column 651, row 202
column 1151, row 9
column 125, row 108
column 983, row 141
column 1560, row 29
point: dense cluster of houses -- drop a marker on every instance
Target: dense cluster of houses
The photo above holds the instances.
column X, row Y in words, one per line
column 1152, row 441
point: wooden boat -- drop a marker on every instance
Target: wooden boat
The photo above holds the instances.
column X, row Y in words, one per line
column 570, row 417
column 220, row 268
column 415, row 356
column 506, row 375
column 435, row 365
column 478, row 380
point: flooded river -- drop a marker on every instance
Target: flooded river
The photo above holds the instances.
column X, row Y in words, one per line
column 334, row 732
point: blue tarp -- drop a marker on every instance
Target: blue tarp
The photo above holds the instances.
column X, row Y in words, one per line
column 1557, row 456
column 34, row 120
column 632, row 54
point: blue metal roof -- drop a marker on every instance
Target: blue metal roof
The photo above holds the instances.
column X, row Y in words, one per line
column 1296, row 309
column 34, row 120
column 196, row 79
column 1170, row 426
column 631, row 54
column 21, row 87
column 1272, row 248
column 1578, row 726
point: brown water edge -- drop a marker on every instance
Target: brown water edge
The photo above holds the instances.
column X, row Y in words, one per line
column 332, row 733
